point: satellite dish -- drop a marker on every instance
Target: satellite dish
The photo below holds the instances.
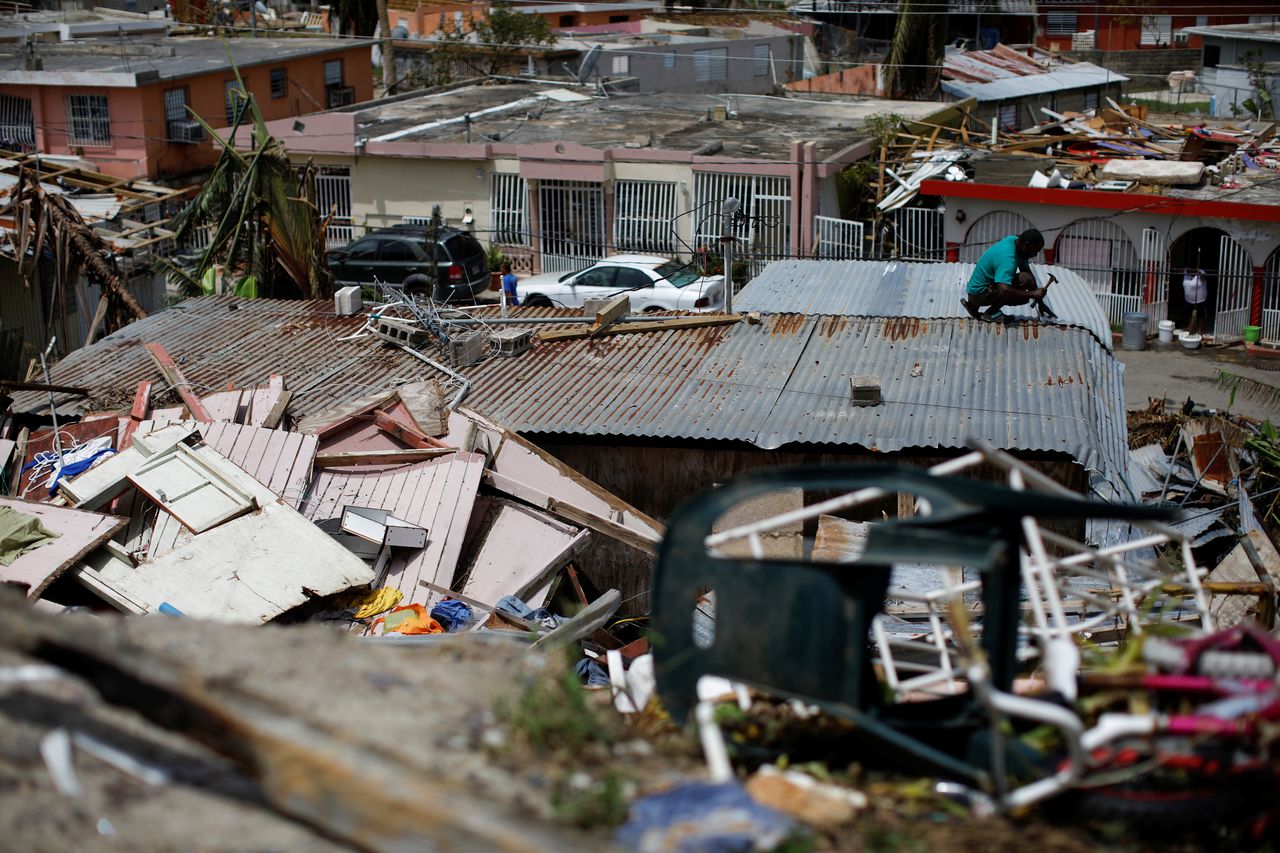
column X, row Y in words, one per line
column 588, row 64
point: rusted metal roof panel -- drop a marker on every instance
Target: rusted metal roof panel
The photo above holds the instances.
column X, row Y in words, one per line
column 781, row 382
column 905, row 289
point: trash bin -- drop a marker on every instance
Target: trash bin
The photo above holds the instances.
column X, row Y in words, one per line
column 1166, row 331
column 1252, row 334
column 1135, row 331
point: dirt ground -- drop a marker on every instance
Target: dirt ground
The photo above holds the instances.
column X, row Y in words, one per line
column 1178, row 374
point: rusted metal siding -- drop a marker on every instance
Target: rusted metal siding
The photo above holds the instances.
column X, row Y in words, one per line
column 905, row 289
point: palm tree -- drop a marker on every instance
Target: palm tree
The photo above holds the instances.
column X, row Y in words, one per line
column 915, row 55
column 266, row 229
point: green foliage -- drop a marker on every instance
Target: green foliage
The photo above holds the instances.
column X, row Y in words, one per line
column 1248, row 389
column 505, row 27
column 495, row 257
column 552, row 715
column 914, row 65
column 266, row 230
column 596, row 804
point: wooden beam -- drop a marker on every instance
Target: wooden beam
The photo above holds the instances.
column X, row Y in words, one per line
column 611, row 529
column 137, row 414
column 612, row 311
column 379, row 457
column 641, row 326
column 173, row 375
column 402, row 431
column 99, row 317
column 276, row 413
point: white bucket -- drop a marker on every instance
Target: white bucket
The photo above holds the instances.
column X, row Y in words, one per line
column 1166, row 331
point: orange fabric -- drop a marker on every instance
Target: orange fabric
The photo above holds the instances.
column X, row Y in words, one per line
column 409, row 619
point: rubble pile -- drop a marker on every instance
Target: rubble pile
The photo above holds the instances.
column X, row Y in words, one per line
column 373, row 625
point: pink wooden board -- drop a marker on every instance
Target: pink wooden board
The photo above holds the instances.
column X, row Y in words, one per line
column 437, row 494
column 79, row 533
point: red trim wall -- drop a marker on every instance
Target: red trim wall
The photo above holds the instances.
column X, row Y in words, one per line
column 1103, row 200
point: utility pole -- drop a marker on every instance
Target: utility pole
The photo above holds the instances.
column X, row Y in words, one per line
column 388, row 53
column 728, row 208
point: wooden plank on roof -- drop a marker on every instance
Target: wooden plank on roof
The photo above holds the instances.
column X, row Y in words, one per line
column 78, row 533
column 174, row 376
column 670, row 324
column 380, row 457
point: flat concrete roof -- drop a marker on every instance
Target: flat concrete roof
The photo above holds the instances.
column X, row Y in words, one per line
column 139, row 61
column 757, row 126
column 1246, row 32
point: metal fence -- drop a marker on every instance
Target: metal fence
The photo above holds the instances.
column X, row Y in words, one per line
column 763, row 228
column 989, row 229
column 1271, row 300
column 1104, row 256
column 838, row 239
column 1235, row 291
column 644, row 214
column 913, row 234
column 570, row 224
column 333, row 196
column 508, row 209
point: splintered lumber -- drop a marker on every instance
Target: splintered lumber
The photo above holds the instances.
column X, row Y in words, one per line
column 173, row 375
column 402, row 431
column 642, row 326
column 380, row 457
column 369, row 794
column 574, row 515
column 612, row 310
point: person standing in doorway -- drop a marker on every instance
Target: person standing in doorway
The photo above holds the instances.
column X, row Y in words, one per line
column 1195, row 290
column 1003, row 277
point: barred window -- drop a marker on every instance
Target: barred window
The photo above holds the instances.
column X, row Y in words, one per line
column 1060, row 23
column 175, row 104
column 333, row 72
column 621, row 65
column 236, row 100
column 763, row 60
column 669, row 59
column 17, row 123
column 279, row 82
column 710, row 64
column 90, row 120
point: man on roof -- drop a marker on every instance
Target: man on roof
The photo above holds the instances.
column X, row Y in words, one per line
column 1003, row 277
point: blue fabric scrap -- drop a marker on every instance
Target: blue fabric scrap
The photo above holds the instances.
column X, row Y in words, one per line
column 452, row 614
column 592, row 673
column 700, row 817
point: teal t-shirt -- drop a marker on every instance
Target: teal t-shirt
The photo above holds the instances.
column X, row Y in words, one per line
column 998, row 264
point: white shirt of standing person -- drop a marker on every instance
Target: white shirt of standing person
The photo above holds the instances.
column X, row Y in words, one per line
column 1193, row 287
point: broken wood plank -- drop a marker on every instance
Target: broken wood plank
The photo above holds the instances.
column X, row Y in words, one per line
column 642, row 326
column 137, row 414
column 409, row 435
column 425, row 404
column 99, row 317
column 838, row 540
column 173, row 375
column 586, row 622
column 575, row 515
column 380, row 457
column 275, row 414
column 78, row 533
column 519, row 549
column 611, row 312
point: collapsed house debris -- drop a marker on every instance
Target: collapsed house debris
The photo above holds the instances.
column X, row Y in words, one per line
column 399, row 474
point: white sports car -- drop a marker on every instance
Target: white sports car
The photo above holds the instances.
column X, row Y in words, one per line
column 653, row 283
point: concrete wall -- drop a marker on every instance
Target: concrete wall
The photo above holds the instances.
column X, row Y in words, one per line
column 1147, row 69
column 1029, row 107
column 140, row 146
column 1230, row 86
column 1121, row 29
column 648, row 66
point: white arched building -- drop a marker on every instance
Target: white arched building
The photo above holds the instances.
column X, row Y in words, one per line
column 1132, row 248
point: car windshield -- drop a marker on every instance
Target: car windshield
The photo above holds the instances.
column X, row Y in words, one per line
column 680, row 275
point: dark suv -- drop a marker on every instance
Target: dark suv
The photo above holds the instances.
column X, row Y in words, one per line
column 392, row 255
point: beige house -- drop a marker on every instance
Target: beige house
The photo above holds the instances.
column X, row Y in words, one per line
column 559, row 178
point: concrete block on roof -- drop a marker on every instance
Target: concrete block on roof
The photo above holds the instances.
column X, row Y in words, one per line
column 1175, row 173
column 347, row 301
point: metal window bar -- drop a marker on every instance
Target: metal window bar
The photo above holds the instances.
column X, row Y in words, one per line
column 17, row 123
column 643, row 212
column 333, row 196
column 989, row 229
column 90, row 120
column 508, row 209
column 236, row 97
column 571, row 224
column 838, row 239
column 763, row 233
column 279, row 82
column 175, row 104
column 1060, row 23
column 763, row 53
column 1235, row 289
column 1104, row 256
column 915, row 234
column 710, row 64
column 1155, row 277
column 1271, row 300
column 333, row 72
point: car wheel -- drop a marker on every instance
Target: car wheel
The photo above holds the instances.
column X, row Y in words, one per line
column 417, row 285
column 537, row 300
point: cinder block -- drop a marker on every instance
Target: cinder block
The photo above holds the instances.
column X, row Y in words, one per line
column 466, row 348
column 512, row 341
column 398, row 331
column 347, row 301
column 865, row 390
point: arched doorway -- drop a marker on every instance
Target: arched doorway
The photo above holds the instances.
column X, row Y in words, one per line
column 1228, row 273
column 1104, row 256
column 1271, row 300
column 988, row 229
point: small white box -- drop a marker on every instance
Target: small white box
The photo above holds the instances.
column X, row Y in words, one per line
column 347, row 301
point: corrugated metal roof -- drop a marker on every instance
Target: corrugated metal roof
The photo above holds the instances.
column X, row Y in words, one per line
column 784, row 381
column 904, row 289
column 1075, row 76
